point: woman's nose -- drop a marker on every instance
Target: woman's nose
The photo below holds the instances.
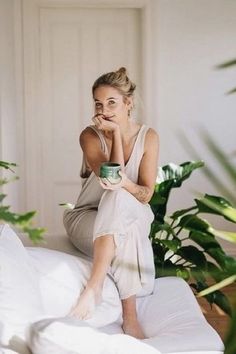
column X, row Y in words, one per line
column 105, row 110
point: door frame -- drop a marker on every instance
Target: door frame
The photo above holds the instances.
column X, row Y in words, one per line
column 27, row 17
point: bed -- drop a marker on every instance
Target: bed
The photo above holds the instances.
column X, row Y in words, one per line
column 38, row 286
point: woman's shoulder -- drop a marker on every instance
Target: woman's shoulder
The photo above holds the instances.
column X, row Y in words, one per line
column 152, row 137
column 88, row 132
column 151, row 132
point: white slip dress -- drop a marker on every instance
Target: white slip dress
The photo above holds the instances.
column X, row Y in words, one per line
column 120, row 214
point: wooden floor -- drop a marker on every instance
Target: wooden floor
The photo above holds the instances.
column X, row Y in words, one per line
column 214, row 315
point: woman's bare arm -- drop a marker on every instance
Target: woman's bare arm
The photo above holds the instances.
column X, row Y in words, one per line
column 117, row 153
column 92, row 149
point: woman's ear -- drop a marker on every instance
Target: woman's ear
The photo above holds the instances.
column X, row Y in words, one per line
column 129, row 102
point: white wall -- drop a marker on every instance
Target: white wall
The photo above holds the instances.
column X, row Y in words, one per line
column 191, row 41
column 8, row 112
column 192, row 37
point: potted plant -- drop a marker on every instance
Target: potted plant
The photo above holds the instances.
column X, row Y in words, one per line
column 185, row 243
column 22, row 221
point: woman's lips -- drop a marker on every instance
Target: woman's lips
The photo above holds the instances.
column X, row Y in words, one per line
column 108, row 118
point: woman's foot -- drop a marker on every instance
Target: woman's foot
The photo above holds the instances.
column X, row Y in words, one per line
column 133, row 328
column 87, row 302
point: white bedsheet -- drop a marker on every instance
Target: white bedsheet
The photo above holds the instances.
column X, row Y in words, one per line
column 170, row 317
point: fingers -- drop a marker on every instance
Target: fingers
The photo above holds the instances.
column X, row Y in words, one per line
column 106, row 184
column 98, row 120
column 103, row 124
column 97, row 115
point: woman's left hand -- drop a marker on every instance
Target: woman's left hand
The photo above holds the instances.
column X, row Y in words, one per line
column 106, row 184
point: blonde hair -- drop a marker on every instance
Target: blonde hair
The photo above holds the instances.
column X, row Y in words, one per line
column 118, row 80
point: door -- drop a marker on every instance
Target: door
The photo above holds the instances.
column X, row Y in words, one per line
column 75, row 46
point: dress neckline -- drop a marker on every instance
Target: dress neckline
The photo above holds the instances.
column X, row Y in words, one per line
column 105, row 145
column 134, row 146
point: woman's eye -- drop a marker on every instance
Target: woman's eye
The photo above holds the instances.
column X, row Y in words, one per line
column 111, row 102
column 98, row 105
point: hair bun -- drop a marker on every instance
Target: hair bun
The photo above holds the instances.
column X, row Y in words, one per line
column 117, row 79
column 122, row 70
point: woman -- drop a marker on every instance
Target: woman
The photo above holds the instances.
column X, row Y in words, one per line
column 112, row 222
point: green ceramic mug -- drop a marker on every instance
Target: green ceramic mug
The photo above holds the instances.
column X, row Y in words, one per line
column 110, row 171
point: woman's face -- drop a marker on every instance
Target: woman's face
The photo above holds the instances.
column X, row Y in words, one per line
column 111, row 104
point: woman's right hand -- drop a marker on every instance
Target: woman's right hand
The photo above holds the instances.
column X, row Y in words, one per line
column 103, row 124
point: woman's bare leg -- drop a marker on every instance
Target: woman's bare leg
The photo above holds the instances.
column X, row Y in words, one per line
column 104, row 250
column 131, row 325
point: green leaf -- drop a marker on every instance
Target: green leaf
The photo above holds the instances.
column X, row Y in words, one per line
column 159, row 200
column 6, row 215
column 3, row 209
column 201, row 227
column 181, row 212
column 67, row 205
column 35, row 234
column 5, row 180
column 223, row 302
column 178, row 173
column 167, row 269
column 25, row 218
column 218, row 255
column 203, row 239
column 192, row 255
column 216, row 205
column 201, row 285
column 227, row 64
column 230, row 265
column 173, row 245
column 231, row 91
column 226, row 235
column 159, row 226
column 7, row 165
column 159, row 253
column 14, row 218
column 230, row 343
column 183, row 273
column 2, row 196
column 215, row 272
column 170, row 176
column 198, row 274
column 218, row 286
column 194, row 223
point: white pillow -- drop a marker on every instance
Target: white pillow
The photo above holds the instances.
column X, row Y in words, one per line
column 62, row 277
column 20, row 302
column 71, row 336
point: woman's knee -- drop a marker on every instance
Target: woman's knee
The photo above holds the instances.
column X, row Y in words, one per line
column 118, row 198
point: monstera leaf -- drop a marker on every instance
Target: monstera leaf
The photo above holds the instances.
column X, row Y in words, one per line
column 185, row 244
column 170, row 176
column 216, row 205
